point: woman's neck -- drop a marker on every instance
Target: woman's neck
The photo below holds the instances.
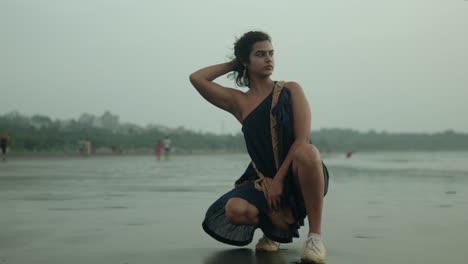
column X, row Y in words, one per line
column 261, row 85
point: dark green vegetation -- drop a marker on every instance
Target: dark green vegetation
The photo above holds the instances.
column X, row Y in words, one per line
column 42, row 134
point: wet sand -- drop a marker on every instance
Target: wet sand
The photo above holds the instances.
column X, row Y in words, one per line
column 137, row 210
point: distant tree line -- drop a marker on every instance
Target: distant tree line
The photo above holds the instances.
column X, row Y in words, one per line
column 40, row 133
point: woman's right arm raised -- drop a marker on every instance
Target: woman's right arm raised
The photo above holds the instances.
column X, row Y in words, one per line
column 214, row 93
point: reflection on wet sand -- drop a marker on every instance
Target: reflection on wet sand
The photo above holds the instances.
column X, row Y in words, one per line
column 247, row 256
column 110, row 210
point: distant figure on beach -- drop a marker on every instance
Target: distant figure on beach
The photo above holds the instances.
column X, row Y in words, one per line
column 85, row 147
column 158, row 149
column 286, row 179
column 167, row 147
column 4, row 141
column 349, row 154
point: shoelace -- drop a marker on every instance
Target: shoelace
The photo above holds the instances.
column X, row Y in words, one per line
column 312, row 244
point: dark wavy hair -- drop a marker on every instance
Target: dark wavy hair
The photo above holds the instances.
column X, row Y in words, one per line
column 242, row 48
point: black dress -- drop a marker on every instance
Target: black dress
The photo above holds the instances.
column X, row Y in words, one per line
column 257, row 133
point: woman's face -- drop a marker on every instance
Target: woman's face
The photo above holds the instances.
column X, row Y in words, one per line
column 261, row 59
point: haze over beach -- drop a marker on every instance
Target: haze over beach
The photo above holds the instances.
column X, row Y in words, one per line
column 394, row 66
column 109, row 155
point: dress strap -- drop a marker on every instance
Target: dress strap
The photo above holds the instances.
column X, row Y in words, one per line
column 273, row 124
column 283, row 217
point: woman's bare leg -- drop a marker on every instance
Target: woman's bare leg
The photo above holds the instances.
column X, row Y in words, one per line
column 308, row 173
column 241, row 212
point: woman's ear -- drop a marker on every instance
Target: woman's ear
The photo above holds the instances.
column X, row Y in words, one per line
column 244, row 63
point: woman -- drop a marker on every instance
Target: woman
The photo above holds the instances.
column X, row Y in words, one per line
column 286, row 179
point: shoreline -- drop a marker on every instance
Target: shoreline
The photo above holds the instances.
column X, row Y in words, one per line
column 202, row 152
column 123, row 154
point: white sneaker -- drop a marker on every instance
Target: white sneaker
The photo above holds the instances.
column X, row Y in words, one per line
column 265, row 244
column 314, row 250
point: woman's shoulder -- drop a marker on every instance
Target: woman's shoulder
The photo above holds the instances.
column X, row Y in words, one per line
column 292, row 86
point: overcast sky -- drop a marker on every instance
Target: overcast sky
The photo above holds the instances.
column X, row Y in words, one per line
column 398, row 66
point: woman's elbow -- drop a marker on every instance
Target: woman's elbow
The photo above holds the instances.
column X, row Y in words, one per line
column 194, row 79
column 197, row 81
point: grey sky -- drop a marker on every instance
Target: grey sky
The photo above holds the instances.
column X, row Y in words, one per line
column 398, row 66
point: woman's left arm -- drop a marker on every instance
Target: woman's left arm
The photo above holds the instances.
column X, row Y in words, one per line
column 301, row 125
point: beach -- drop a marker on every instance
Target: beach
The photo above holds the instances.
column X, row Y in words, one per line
column 408, row 207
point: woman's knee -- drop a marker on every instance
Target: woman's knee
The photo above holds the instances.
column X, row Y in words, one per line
column 306, row 153
column 238, row 209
